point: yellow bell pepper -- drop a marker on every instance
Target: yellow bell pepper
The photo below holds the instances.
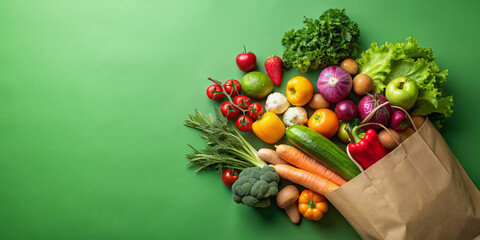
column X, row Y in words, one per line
column 299, row 91
column 269, row 128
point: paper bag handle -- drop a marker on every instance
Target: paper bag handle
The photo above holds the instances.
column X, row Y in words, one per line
column 370, row 115
column 365, row 123
column 386, row 129
column 408, row 115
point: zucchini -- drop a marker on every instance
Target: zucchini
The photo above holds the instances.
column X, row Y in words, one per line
column 323, row 150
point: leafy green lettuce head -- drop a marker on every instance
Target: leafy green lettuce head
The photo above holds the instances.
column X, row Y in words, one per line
column 322, row 42
column 392, row 60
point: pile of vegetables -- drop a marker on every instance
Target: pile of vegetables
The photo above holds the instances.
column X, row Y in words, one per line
column 392, row 60
column 365, row 103
column 237, row 106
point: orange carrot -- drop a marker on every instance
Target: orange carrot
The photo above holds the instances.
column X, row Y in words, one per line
column 307, row 179
column 301, row 160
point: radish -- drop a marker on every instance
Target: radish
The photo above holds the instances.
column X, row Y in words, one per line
column 399, row 121
column 334, row 83
column 370, row 102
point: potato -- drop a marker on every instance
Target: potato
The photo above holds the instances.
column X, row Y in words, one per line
column 318, row 101
column 350, row 66
column 293, row 213
column 362, row 84
column 387, row 141
column 407, row 133
column 287, row 196
column 270, row 156
column 287, row 199
column 418, row 121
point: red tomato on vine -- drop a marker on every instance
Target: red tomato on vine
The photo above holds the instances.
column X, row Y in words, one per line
column 215, row 92
column 232, row 87
column 244, row 123
column 228, row 110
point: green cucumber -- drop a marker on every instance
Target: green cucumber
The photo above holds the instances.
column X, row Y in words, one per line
column 323, row 150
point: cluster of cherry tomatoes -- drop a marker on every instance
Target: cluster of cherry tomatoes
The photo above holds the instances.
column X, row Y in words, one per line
column 237, row 106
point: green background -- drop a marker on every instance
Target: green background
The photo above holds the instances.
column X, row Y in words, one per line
column 93, row 95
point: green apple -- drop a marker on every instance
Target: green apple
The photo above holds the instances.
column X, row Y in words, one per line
column 402, row 92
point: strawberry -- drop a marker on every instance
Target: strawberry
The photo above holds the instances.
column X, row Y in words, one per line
column 274, row 67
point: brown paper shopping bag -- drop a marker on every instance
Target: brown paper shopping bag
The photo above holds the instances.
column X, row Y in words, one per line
column 418, row 191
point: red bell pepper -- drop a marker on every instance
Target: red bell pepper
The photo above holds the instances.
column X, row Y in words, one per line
column 368, row 150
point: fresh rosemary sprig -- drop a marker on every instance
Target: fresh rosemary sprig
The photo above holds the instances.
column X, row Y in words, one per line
column 226, row 148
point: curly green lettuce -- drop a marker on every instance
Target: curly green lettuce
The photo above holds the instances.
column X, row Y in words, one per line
column 392, row 60
column 322, row 42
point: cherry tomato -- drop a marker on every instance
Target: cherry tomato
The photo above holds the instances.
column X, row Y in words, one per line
column 214, row 92
column 228, row 110
column 229, row 177
column 255, row 110
column 232, row 87
column 241, row 101
column 244, row 123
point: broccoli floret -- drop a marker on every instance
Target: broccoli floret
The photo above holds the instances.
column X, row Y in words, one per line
column 252, row 172
column 254, row 185
column 250, row 200
column 263, row 203
column 244, row 189
column 253, row 180
column 267, row 169
column 260, row 189
column 269, row 177
column 273, row 188
column 237, row 198
column 246, row 172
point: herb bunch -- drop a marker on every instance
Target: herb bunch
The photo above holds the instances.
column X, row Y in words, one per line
column 226, row 148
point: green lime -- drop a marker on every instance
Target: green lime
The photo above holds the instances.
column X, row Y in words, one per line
column 256, row 84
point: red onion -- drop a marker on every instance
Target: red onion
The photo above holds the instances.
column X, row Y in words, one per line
column 346, row 110
column 334, row 83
